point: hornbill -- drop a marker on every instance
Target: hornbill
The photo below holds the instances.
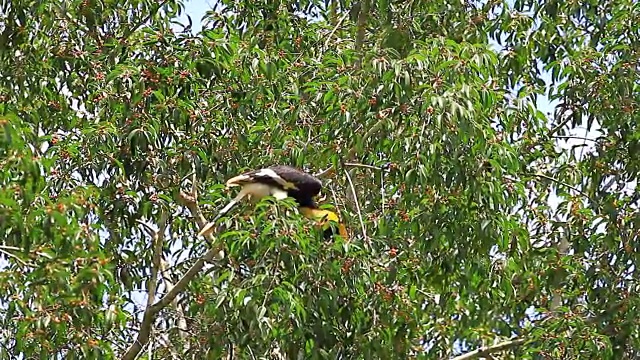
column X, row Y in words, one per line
column 281, row 182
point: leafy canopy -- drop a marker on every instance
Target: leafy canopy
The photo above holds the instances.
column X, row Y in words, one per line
column 482, row 155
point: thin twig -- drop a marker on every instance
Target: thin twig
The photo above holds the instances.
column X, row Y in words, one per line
column 559, row 126
column 363, row 166
column 381, row 178
column 251, row 352
column 194, row 187
column 573, row 137
column 273, row 280
column 382, row 191
column 15, row 257
column 355, row 198
column 15, row 248
column 230, row 351
column 486, row 350
column 324, row 172
column 335, row 197
column 326, row 42
column 147, row 227
column 192, row 173
column 565, row 185
column 168, row 344
column 335, row 28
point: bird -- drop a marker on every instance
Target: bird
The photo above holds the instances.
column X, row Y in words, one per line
column 281, row 182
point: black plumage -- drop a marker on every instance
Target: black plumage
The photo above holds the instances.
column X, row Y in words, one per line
column 280, row 181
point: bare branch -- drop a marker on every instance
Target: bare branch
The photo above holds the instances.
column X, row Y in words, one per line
column 382, row 200
column 158, row 240
column 486, row 350
column 543, row 176
column 6, row 248
column 184, row 281
column 189, row 201
column 15, row 248
column 326, row 172
column 147, row 227
column 181, row 322
column 149, row 314
column 150, row 350
column 361, row 27
column 166, row 342
column 574, row 137
column 22, row 262
column 355, row 198
column 335, row 28
column 335, row 198
column 559, row 126
column 363, row 166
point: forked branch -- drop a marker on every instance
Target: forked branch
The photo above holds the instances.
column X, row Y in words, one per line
column 152, row 310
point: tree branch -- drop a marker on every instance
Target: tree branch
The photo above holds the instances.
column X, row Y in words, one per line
column 363, row 166
column 335, row 28
column 153, row 310
column 557, row 128
column 15, row 248
column 158, row 241
column 486, row 350
column 355, row 198
column 22, row 262
column 543, row 176
column 573, row 137
column 361, row 27
column 190, row 202
column 181, row 322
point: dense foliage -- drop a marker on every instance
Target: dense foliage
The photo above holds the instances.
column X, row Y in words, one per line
column 478, row 214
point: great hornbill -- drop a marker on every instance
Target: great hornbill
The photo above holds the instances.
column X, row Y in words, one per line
column 281, row 182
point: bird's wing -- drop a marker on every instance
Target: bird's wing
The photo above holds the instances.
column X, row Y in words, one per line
column 305, row 184
column 274, row 177
column 266, row 176
column 296, row 182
